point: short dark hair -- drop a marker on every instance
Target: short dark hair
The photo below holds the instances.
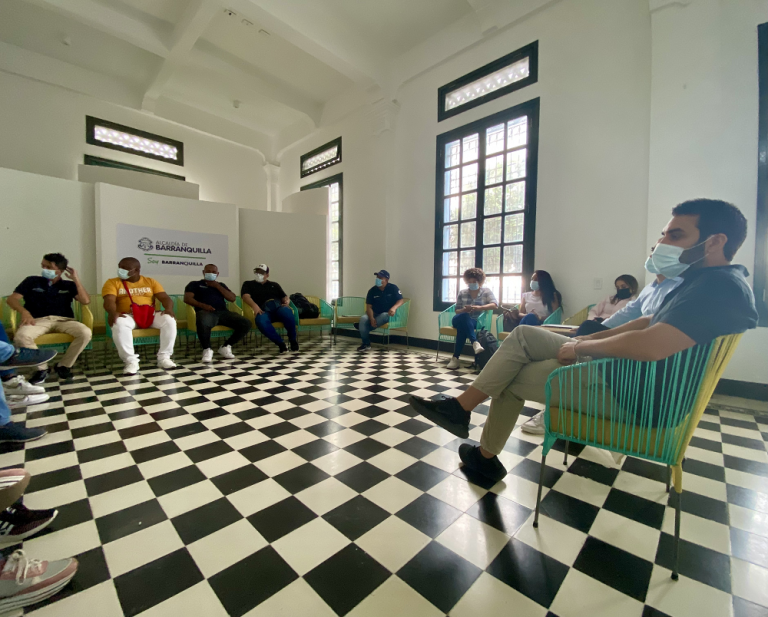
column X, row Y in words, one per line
column 716, row 217
column 475, row 273
column 58, row 259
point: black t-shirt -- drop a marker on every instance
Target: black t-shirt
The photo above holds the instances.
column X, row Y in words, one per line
column 261, row 293
column 42, row 299
column 710, row 302
column 381, row 300
column 208, row 295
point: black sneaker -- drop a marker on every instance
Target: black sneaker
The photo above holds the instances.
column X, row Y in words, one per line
column 447, row 413
column 282, row 348
column 18, row 522
column 64, row 372
column 38, row 377
column 491, row 468
column 26, row 357
column 15, row 433
column 364, row 347
column 294, row 345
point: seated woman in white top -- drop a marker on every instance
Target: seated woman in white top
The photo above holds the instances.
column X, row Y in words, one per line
column 539, row 303
column 626, row 291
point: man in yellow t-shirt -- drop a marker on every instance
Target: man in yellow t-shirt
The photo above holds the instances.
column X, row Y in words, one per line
column 117, row 305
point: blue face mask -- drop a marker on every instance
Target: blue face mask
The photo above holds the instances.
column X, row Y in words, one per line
column 379, row 282
column 474, row 286
column 535, row 285
column 665, row 260
column 123, row 273
column 210, row 276
column 49, row 274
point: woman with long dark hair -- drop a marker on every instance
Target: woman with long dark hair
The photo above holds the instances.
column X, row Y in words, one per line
column 541, row 301
column 626, row 291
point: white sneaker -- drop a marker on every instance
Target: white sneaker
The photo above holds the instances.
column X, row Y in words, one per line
column 18, row 385
column 131, row 368
column 165, row 363
column 478, row 348
column 454, row 362
column 207, row 355
column 15, row 401
column 225, row 351
column 534, row 426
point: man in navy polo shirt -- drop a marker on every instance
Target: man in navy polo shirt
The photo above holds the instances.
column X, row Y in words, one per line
column 48, row 308
column 382, row 301
column 209, row 297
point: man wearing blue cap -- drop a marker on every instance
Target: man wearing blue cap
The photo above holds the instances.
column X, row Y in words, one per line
column 380, row 304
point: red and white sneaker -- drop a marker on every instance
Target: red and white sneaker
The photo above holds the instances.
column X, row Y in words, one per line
column 26, row 581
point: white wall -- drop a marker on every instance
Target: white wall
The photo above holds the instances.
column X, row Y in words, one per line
column 39, row 215
column 116, row 204
column 292, row 245
column 593, row 158
column 704, row 127
column 43, row 131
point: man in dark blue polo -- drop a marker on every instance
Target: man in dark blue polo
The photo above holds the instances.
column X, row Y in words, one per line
column 382, row 301
column 209, row 297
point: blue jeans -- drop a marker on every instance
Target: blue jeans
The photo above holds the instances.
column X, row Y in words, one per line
column 531, row 319
column 365, row 326
column 465, row 329
column 6, row 351
column 284, row 315
column 4, row 339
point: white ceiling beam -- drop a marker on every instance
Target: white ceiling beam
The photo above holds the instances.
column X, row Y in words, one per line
column 189, row 28
column 142, row 34
column 324, row 38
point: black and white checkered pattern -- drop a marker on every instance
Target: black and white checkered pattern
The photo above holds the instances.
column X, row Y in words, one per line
column 305, row 485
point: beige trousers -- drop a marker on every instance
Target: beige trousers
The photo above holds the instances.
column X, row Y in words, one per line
column 516, row 373
column 26, row 335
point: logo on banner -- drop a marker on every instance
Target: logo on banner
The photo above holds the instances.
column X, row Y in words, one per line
column 145, row 244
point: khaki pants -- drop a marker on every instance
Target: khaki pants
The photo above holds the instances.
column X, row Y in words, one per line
column 516, row 373
column 26, row 335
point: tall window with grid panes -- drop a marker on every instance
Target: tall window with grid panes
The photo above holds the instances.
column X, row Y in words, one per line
column 335, row 185
column 486, row 204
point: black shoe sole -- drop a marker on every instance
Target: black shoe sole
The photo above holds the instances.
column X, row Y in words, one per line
column 495, row 474
column 460, row 430
column 23, row 440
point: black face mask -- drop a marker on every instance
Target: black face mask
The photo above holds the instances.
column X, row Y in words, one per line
column 623, row 294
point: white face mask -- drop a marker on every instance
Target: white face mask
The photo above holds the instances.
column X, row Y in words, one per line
column 210, row 276
column 123, row 273
column 49, row 274
column 259, row 278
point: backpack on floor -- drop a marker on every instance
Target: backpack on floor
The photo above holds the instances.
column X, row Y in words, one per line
column 306, row 309
column 489, row 344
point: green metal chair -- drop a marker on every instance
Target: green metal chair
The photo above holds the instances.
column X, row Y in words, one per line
column 182, row 321
column 347, row 311
column 216, row 332
column 446, row 331
column 578, row 318
column 279, row 327
column 398, row 321
column 323, row 322
column 648, row 410
column 555, row 317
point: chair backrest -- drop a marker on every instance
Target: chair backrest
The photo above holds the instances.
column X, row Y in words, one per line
column 326, row 310
column 82, row 313
column 400, row 318
column 97, row 308
column 445, row 319
column 555, row 317
column 5, row 312
column 578, row 318
column 350, row 306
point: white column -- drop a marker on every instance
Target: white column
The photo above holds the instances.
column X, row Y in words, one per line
column 273, row 187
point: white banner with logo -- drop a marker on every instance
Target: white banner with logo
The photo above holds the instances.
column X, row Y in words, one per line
column 170, row 251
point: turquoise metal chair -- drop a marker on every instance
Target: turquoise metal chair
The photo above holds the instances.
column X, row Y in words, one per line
column 648, row 410
column 324, row 321
column 555, row 317
column 398, row 321
column 446, row 331
column 347, row 311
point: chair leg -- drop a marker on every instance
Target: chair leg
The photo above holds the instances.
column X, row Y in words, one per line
column 676, row 562
column 538, row 495
column 438, row 350
column 565, row 456
column 669, row 476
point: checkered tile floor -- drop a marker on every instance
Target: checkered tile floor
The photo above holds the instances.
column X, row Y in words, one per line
column 305, row 486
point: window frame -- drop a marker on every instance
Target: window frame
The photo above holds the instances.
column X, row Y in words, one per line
column 327, row 182
column 530, row 109
column 330, row 163
column 761, row 220
column 90, row 138
column 531, row 51
column 97, row 161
